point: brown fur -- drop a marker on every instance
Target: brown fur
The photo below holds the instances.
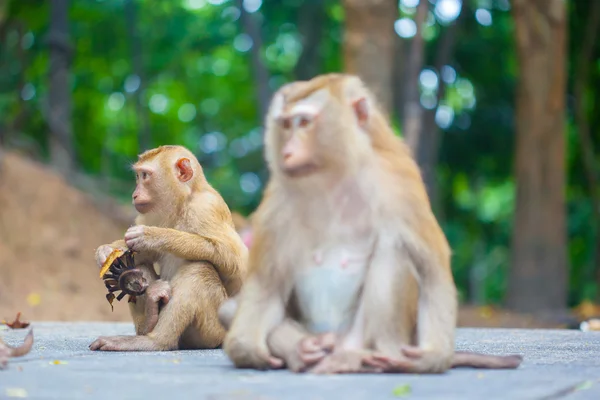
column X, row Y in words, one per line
column 186, row 229
column 344, row 172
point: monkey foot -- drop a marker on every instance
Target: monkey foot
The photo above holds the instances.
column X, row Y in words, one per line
column 123, row 343
column 476, row 360
column 353, row 361
column 309, row 351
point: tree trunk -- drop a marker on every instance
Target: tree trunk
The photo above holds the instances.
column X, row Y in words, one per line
column 144, row 136
column 538, row 274
column 369, row 45
column 59, row 98
column 398, row 76
column 413, row 111
column 261, row 74
column 311, row 19
column 427, row 143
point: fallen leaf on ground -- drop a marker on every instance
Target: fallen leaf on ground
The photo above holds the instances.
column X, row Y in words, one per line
column 58, row 362
column 486, row 312
column 16, row 392
column 17, row 323
column 585, row 385
column 587, row 309
column 34, row 299
column 401, row 390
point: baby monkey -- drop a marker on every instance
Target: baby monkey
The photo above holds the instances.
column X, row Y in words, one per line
column 185, row 227
column 7, row 352
column 349, row 270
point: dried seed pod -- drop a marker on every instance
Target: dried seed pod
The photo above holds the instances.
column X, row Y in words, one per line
column 120, row 274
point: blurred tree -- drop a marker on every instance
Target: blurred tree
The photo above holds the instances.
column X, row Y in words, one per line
column 538, row 272
column 412, row 112
column 59, row 99
column 369, row 45
column 137, row 81
column 311, row 20
column 426, row 141
column 201, row 89
column 251, row 25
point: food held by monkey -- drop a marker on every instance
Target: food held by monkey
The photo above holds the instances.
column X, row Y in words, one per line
column 120, row 274
column 349, row 270
column 185, row 228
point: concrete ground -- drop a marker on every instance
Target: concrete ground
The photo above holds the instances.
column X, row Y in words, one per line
column 558, row 365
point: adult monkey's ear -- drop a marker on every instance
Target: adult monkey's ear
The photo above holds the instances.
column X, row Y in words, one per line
column 357, row 95
column 185, row 172
column 361, row 110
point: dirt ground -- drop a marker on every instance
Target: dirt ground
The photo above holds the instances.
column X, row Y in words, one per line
column 48, row 234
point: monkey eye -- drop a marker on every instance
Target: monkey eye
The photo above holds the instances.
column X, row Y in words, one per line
column 143, row 175
column 286, row 123
column 302, row 120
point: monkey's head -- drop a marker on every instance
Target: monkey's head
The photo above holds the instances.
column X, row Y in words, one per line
column 164, row 176
column 319, row 125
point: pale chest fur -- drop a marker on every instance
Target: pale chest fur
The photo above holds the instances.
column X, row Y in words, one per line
column 330, row 267
column 329, row 281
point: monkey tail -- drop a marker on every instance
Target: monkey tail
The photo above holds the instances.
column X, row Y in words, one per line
column 25, row 347
column 477, row 360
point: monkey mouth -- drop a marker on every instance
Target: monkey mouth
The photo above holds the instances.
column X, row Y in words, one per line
column 300, row 170
column 142, row 208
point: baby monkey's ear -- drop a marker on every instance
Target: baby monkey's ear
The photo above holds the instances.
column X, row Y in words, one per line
column 185, row 172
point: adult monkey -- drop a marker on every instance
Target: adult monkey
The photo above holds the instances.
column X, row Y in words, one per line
column 349, row 269
column 184, row 226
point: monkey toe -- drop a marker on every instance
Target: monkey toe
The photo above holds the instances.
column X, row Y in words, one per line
column 513, row 361
column 104, row 343
column 96, row 344
column 389, row 364
column 412, row 352
column 346, row 362
column 313, row 349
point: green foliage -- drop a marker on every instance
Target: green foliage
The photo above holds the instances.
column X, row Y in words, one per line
column 198, row 90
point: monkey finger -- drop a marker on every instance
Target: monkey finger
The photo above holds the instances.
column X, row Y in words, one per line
column 327, row 341
column 134, row 232
column 312, row 357
column 391, row 364
column 381, row 362
column 309, row 344
column 133, row 244
column 413, row 352
column 97, row 344
column 275, row 362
